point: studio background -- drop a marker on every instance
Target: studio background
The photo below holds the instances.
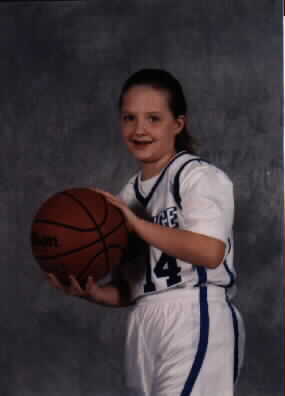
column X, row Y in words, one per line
column 62, row 65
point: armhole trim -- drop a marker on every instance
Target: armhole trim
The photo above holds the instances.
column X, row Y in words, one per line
column 176, row 183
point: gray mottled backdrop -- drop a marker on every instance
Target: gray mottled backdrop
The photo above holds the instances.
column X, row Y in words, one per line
column 61, row 68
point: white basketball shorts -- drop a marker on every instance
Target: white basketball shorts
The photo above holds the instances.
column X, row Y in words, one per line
column 184, row 342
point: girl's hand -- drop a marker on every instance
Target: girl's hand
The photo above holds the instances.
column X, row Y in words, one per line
column 74, row 289
column 109, row 294
column 131, row 219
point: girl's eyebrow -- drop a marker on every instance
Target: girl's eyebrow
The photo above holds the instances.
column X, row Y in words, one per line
column 133, row 112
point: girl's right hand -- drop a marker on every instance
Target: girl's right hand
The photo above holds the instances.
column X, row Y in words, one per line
column 109, row 294
column 90, row 292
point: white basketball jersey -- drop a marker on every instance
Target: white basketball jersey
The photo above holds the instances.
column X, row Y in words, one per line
column 188, row 194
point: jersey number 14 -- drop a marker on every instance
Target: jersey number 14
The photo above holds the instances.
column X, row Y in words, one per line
column 165, row 267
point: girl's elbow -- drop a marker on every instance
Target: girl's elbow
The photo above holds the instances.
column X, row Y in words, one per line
column 210, row 255
column 217, row 257
column 213, row 263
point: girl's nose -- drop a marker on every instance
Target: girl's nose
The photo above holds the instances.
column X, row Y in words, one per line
column 140, row 127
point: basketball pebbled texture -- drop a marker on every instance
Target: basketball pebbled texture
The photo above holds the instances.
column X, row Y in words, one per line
column 78, row 232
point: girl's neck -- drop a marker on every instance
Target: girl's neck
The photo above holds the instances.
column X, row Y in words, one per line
column 151, row 169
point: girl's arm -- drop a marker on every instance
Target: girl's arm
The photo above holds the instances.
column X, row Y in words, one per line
column 188, row 246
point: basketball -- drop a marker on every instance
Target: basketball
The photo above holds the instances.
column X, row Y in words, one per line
column 78, row 232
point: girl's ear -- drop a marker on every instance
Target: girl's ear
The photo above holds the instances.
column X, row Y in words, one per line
column 180, row 124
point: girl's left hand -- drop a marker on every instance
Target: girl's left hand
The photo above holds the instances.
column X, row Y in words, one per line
column 131, row 219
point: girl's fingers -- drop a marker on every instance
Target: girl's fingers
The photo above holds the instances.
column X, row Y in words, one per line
column 112, row 199
column 75, row 286
column 90, row 284
column 105, row 193
column 100, row 191
column 73, row 290
column 108, row 195
column 91, row 289
column 55, row 282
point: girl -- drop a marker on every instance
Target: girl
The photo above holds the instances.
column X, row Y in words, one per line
column 184, row 336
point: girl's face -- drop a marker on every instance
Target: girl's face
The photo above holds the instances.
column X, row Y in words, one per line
column 148, row 125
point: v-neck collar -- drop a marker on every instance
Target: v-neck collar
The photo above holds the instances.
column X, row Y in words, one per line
column 145, row 200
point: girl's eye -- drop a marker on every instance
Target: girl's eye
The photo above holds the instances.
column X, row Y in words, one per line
column 128, row 117
column 154, row 118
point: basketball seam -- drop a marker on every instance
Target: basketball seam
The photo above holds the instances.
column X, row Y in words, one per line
column 82, row 274
column 94, row 221
column 105, row 211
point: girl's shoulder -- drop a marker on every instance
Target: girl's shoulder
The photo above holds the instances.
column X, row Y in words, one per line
column 191, row 168
column 194, row 175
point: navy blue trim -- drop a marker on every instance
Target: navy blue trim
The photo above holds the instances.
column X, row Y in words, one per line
column 145, row 200
column 139, row 196
column 202, row 274
column 176, row 183
column 230, row 273
column 236, row 336
column 203, row 343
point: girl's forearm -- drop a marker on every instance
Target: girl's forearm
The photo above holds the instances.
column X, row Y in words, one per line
column 188, row 246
